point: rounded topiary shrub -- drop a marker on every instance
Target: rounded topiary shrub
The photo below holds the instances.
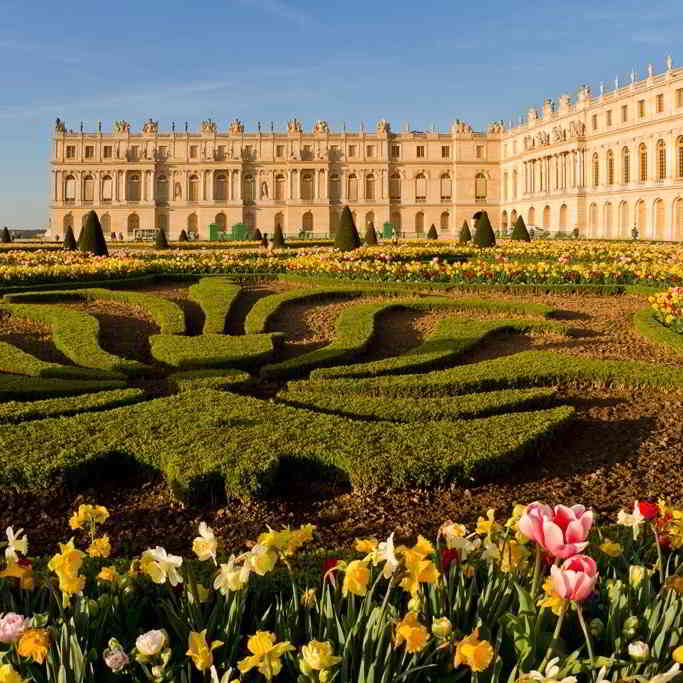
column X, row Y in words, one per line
column 160, row 241
column 432, row 234
column 346, row 237
column 519, row 232
column 465, row 235
column 278, row 238
column 483, row 232
column 257, row 237
column 370, row 235
column 70, row 240
column 91, row 238
column 6, row 237
column 183, row 236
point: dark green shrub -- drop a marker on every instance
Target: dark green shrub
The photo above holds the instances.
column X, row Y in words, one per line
column 257, row 237
column 465, row 235
column 264, row 240
column 370, row 236
column 346, row 238
column 70, row 240
column 161, row 242
column 92, row 238
column 432, row 234
column 6, row 237
column 183, row 236
column 519, row 232
column 483, row 232
column 278, row 238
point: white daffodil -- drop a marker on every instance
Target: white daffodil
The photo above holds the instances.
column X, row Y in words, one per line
column 550, row 675
column 465, row 546
column 491, row 551
column 205, row 545
column 15, row 544
column 160, row 566
column 452, row 531
column 385, row 553
column 230, row 577
column 634, row 519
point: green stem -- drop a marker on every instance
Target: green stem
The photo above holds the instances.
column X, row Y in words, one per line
column 537, row 573
column 586, row 635
column 556, row 635
column 660, row 559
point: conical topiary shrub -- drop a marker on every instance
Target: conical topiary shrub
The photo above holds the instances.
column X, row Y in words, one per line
column 278, row 238
column 264, row 240
column 370, row 235
column 465, row 235
column 432, row 234
column 70, row 240
column 91, row 238
column 346, row 237
column 519, row 231
column 183, row 236
column 257, row 235
column 160, row 241
column 483, row 232
column 6, row 237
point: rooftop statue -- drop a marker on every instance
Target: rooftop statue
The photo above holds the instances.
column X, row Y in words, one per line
column 236, row 127
column 321, row 127
column 121, row 127
column 294, row 126
column 209, row 127
column 150, row 127
column 60, row 126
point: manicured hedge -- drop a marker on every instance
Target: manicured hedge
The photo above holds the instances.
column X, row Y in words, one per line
column 16, row 411
column 22, row 388
column 213, row 350
column 207, row 440
column 646, row 323
column 452, row 338
column 217, row 297
column 528, row 368
column 426, row 410
column 76, row 335
column 191, row 380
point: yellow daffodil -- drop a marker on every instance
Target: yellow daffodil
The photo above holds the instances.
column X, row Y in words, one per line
column 678, row 655
column 473, row 653
column 442, row 628
column 261, row 559
column 66, row 565
column 552, row 599
column 34, row 644
column 411, row 632
column 636, row 574
column 365, row 545
column 266, row 655
column 100, row 547
column 319, row 656
column 452, row 531
column 356, row 578
column 9, row 675
column 205, row 545
column 232, row 577
column 611, row 548
column 88, row 515
column 108, row 574
column 21, row 571
column 487, row 526
column 200, row 651
column 513, row 556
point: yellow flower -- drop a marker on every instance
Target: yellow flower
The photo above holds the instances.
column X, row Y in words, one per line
column 423, row 547
column 9, row 675
column 200, row 651
column 513, row 556
column 34, row 643
column 100, row 547
column 636, row 573
column 308, row 597
column 365, row 545
column 22, row 572
column 552, row 599
column 261, row 559
column 231, row 577
column 611, row 548
column 286, row 541
column 205, row 545
column 319, row 655
column 356, row 578
column 487, row 526
column 265, row 654
column 473, row 653
column 442, row 628
column 678, row 654
column 108, row 574
column 159, row 566
column 66, row 565
column 411, row 632
column 87, row 515
column 675, row 583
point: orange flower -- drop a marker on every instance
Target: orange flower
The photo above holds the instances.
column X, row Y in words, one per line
column 473, row 653
column 34, row 643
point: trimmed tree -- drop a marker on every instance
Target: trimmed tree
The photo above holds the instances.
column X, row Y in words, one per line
column 264, row 240
column 483, row 232
column 370, row 235
column 519, row 232
column 160, row 241
column 183, row 236
column 278, row 238
column 70, row 240
column 432, row 234
column 346, row 237
column 465, row 235
column 91, row 238
column 257, row 235
column 6, row 237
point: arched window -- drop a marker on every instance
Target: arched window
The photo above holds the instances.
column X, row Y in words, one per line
column 281, row 186
column 563, row 217
column 88, row 189
column 480, row 186
column 70, row 189
column 623, row 220
column 193, row 189
column 369, row 218
column 446, row 187
column 419, row 222
column 445, row 220
column 395, row 186
column 219, row 220
column 370, row 186
column 659, row 220
column 546, row 217
column 661, row 160
column 505, row 186
column 133, row 223
column 607, row 219
column 133, row 187
column 420, row 187
column 642, row 217
column 596, row 170
column 220, row 187
column 593, row 217
column 162, row 188
column 353, row 188
column 643, row 163
column 513, row 217
column 625, row 166
column 514, row 184
column 107, row 189
column 105, row 222
column 307, row 186
column 192, row 223
column 678, row 225
column 679, row 146
column 279, row 221
column 610, row 167
column 531, row 216
column 177, row 191
column 307, row 222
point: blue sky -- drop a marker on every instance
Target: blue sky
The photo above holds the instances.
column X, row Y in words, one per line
column 269, row 60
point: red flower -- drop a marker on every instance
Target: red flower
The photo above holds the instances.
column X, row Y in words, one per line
column 648, row 510
column 448, row 556
column 330, row 563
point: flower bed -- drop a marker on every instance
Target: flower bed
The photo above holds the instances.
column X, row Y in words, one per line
column 668, row 308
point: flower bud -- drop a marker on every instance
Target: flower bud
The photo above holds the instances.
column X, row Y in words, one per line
column 596, row 628
column 442, row 628
column 638, row 650
column 631, row 627
column 415, row 604
column 93, row 607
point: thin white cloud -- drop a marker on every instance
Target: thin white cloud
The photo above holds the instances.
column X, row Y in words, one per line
column 281, row 10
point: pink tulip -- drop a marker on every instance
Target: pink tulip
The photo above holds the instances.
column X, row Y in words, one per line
column 561, row 532
column 576, row 579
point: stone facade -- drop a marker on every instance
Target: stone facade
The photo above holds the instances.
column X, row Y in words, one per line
column 600, row 164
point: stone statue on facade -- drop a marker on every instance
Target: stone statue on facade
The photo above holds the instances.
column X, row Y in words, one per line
column 121, row 127
column 461, row 127
column 496, row 127
column 294, row 126
column 669, row 63
column 208, row 127
column 602, row 88
column 236, row 127
column 557, row 134
column 650, row 71
column 633, row 76
column 150, row 127
column 60, row 126
column 383, row 127
column 321, row 128
column 264, row 190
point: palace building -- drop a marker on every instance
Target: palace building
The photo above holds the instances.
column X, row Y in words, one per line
column 602, row 164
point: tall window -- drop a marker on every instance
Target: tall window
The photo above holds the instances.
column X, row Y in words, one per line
column 279, row 151
column 133, row 187
column 680, row 156
column 446, row 186
column 70, row 189
column 624, row 113
column 480, row 186
column 625, row 166
column 107, row 188
column 641, row 109
column 445, row 152
column 280, row 186
column 193, row 192
column 88, row 189
column 106, row 152
column 395, row 151
column 353, row 188
column 661, row 160
column 420, row 151
column 505, row 187
column 419, row 222
column 594, row 121
column 162, row 189
column 193, row 151
column 89, row 152
column 395, row 186
column 643, row 162
column 514, row 184
column 70, row 151
column 420, row 187
column 608, row 116
column 370, row 151
column 133, row 223
column 480, row 151
column 370, row 186
column 352, row 150
column 610, row 168
column 596, row 170
column 443, row 223
column 660, row 104
column 307, row 186
column 219, row 187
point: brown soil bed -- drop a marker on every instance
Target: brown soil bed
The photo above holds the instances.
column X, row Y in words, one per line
column 32, row 338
